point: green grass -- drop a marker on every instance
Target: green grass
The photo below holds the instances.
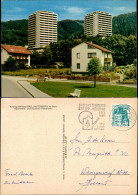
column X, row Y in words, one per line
column 62, row 89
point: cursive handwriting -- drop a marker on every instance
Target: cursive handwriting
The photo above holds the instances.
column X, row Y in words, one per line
column 89, row 139
column 88, row 152
column 92, row 182
column 87, row 171
column 18, row 182
column 14, row 177
column 8, row 172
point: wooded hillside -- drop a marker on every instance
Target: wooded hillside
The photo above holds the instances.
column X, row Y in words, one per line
column 16, row 32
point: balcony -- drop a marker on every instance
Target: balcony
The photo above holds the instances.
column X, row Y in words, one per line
column 108, row 59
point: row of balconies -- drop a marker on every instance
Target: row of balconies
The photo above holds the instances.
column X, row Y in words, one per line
column 31, row 29
column 46, row 35
column 48, row 14
column 104, row 29
column 48, row 24
column 32, row 22
column 108, row 59
column 31, row 25
column 49, row 30
column 48, row 19
column 20, row 57
column 47, row 39
column 32, row 34
column 104, row 22
column 105, row 25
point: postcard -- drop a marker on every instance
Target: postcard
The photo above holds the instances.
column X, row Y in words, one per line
column 69, row 146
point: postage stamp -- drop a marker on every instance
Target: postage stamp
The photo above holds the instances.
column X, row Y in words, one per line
column 123, row 117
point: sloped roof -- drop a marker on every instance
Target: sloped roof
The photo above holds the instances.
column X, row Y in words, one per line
column 15, row 49
column 98, row 47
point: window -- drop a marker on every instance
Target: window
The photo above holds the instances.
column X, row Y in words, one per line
column 90, row 55
column 78, row 55
column 78, row 65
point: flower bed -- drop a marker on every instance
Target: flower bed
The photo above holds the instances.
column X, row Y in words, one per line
column 86, row 78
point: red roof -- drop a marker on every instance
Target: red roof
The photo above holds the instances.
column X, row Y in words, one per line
column 15, row 49
column 98, row 47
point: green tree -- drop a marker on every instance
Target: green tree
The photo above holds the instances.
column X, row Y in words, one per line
column 46, row 56
column 130, row 49
column 135, row 62
column 94, row 68
column 35, row 59
column 10, row 65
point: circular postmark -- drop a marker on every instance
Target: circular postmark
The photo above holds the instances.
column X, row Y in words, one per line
column 122, row 117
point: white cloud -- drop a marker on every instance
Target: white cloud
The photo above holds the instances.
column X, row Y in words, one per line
column 124, row 9
column 118, row 10
column 74, row 10
column 14, row 10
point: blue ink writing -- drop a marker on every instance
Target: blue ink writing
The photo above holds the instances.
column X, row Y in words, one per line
column 88, row 152
column 89, row 139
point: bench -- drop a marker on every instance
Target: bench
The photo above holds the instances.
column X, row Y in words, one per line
column 76, row 93
column 42, row 79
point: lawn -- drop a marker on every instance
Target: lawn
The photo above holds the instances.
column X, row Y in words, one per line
column 62, row 89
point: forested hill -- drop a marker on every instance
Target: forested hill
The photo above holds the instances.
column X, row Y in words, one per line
column 124, row 24
column 67, row 28
column 16, row 33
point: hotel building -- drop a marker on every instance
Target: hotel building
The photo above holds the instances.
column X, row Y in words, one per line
column 98, row 23
column 42, row 29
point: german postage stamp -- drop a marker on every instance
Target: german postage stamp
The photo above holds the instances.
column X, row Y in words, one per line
column 123, row 116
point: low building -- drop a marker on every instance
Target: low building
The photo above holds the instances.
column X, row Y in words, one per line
column 82, row 53
column 21, row 54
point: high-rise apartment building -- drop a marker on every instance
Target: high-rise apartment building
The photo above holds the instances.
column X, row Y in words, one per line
column 42, row 29
column 98, row 23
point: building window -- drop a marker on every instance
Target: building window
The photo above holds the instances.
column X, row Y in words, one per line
column 78, row 55
column 90, row 55
column 78, row 65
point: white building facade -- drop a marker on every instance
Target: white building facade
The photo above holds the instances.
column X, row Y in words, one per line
column 82, row 53
column 98, row 23
column 42, row 29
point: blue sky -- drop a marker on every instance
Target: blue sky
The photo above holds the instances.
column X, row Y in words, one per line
column 66, row 9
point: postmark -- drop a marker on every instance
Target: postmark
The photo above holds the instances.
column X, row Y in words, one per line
column 122, row 117
column 86, row 119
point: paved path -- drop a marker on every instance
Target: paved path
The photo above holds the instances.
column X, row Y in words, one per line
column 10, row 88
column 14, row 86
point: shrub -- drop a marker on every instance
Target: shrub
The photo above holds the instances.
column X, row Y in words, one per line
column 10, row 65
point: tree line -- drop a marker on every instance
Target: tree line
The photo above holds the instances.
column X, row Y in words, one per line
column 123, row 48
